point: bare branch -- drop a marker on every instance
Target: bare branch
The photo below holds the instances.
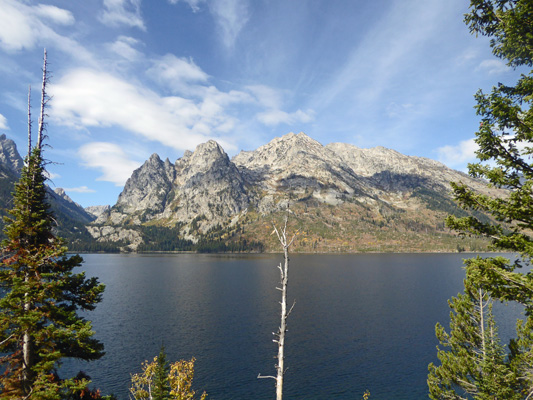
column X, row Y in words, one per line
column 263, row 377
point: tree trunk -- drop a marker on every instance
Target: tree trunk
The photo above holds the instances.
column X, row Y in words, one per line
column 26, row 353
column 283, row 325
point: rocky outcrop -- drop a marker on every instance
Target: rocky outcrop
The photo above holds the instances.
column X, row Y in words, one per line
column 130, row 238
column 96, row 211
column 9, row 155
column 203, row 185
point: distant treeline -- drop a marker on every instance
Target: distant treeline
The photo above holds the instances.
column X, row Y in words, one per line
column 158, row 238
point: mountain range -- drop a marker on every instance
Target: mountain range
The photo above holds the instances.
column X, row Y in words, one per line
column 342, row 198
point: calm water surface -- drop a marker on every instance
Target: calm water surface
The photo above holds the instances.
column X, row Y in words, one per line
column 360, row 321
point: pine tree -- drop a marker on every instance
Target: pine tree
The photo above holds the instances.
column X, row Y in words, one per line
column 39, row 324
column 505, row 140
column 161, row 386
column 473, row 363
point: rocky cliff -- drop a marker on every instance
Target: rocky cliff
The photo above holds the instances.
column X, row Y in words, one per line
column 204, row 194
column 70, row 216
column 10, row 158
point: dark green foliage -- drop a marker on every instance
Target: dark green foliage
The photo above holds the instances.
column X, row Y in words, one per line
column 39, row 324
column 158, row 238
column 473, row 363
column 505, row 140
column 161, row 389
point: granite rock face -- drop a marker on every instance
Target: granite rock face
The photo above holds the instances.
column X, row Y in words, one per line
column 9, row 155
column 205, row 188
column 203, row 185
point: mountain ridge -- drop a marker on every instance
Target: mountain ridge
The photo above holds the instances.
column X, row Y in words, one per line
column 205, row 195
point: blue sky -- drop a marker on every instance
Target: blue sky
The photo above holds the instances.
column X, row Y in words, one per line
column 136, row 77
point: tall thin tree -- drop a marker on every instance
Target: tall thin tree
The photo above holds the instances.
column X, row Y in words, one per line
column 39, row 324
column 285, row 312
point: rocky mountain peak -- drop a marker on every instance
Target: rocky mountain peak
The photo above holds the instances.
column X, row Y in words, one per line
column 61, row 193
column 9, row 155
column 280, row 152
column 154, row 159
column 207, row 156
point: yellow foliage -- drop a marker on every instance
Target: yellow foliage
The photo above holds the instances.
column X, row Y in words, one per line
column 180, row 379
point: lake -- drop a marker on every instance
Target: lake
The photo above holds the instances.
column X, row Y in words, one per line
column 360, row 322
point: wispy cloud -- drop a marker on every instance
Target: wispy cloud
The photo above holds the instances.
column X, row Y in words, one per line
column 273, row 101
column 493, row 67
column 459, row 155
column 176, row 73
column 81, row 189
column 110, row 159
column 386, row 51
column 194, row 4
column 3, row 122
column 123, row 12
column 230, row 16
column 276, row 117
column 124, row 47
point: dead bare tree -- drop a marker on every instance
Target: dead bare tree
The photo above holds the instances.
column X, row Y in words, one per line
column 280, row 335
column 44, row 101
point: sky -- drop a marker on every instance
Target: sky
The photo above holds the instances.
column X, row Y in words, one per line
column 130, row 78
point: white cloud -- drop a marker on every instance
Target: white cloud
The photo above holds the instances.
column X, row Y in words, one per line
column 54, row 14
column 122, row 12
column 493, row 67
column 176, row 73
column 25, row 27
column 123, row 47
column 81, row 189
column 231, row 16
column 276, row 117
column 86, row 97
column 454, row 156
column 3, row 122
column 110, row 159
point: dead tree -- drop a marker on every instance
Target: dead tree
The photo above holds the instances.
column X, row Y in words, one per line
column 280, row 335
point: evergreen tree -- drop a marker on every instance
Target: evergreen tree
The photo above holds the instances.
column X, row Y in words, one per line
column 161, row 386
column 39, row 324
column 505, row 139
column 473, row 362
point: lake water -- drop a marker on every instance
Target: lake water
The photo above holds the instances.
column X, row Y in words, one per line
column 360, row 321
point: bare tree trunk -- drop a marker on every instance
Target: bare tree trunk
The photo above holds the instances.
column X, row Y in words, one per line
column 29, row 120
column 284, row 274
column 26, row 354
column 283, row 326
column 44, row 100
